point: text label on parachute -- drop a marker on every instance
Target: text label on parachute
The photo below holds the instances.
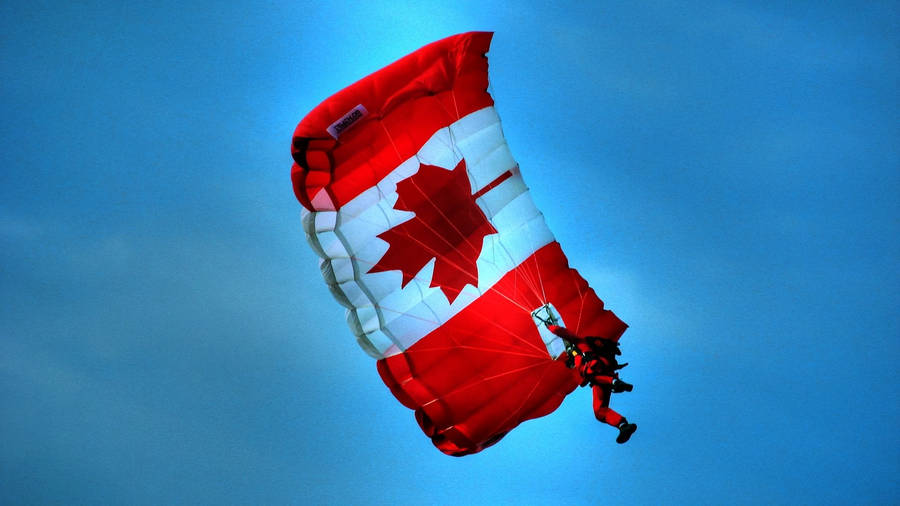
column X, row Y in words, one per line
column 348, row 120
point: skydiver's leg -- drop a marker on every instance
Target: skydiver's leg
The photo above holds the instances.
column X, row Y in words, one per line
column 601, row 406
column 607, row 415
column 603, row 380
column 595, row 370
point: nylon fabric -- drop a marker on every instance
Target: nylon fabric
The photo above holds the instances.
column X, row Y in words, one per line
column 428, row 235
column 486, row 370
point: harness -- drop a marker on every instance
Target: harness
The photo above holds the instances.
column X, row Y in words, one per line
column 609, row 366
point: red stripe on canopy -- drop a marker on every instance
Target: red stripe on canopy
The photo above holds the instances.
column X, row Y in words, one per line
column 486, row 370
column 406, row 103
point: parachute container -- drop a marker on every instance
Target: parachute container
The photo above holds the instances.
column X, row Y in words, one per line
column 428, row 236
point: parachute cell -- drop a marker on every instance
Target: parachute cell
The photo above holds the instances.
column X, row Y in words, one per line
column 428, row 236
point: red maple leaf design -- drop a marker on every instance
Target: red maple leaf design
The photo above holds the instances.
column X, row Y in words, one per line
column 448, row 226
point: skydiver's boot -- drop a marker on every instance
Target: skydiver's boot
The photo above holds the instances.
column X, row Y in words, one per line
column 619, row 386
column 625, row 431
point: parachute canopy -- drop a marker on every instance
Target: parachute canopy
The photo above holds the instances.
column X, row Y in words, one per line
column 428, row 236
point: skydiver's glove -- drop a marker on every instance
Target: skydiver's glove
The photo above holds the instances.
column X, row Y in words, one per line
column 620, row 366
column 619, row 386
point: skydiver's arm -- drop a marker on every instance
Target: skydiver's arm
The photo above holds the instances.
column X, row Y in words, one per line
column 566, row 334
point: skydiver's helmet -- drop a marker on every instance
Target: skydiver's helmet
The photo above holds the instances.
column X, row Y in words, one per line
column 608, row 346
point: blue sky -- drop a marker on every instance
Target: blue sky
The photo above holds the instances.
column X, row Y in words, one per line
column 726, row 175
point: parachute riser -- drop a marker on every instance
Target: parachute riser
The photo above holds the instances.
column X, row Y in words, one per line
column 546, row 315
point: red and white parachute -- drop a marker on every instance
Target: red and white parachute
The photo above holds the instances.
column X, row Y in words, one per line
column 428, row 236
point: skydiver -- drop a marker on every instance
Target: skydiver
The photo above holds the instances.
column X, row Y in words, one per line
column 595, row 359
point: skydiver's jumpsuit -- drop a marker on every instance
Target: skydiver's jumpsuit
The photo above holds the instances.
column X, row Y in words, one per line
column 596, row 361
